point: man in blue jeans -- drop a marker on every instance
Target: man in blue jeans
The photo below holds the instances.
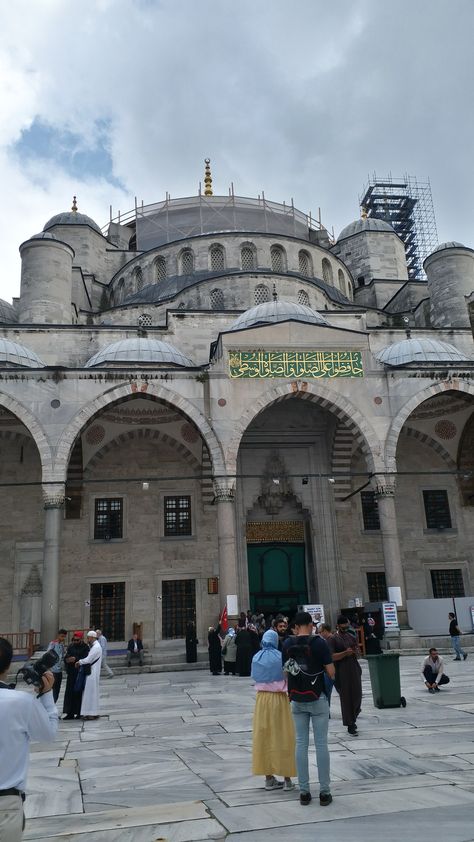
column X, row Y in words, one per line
column 307, row 659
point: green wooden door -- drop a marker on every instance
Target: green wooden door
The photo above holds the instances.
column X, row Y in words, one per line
column 277, row 577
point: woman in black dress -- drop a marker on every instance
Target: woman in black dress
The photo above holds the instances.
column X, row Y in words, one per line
column 191, row 643
column 245, row 652
column 72, row 699
column 215, row 650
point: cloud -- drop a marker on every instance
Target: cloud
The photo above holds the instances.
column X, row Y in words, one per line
column 117, row 98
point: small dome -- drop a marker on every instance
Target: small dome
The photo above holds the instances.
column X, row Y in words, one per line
column 71, row 218
column 420, row 351
column 451, row 244
column 43, row 235
column 271, row 312
column 8, row 314
column 369, row 223
column 14, row 354
column 138, row 350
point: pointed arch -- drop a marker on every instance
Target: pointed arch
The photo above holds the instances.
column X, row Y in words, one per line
column 36, row 431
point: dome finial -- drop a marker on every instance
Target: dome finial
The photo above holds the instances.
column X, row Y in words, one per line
column 74, row 204
column 363, row 212
column 207, row 178
column 275, row 294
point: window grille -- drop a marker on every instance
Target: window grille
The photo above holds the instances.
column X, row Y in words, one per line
column 160, row 270
column 217, row 299
column 447, row 583
column 247, row 258
column 217, row 259
column 262, row 294
column 178, row 603
column 304, row 263
column 327, row 271
column 138, row 278
column 145, row 320
column 277, row 259
column 437, row 511
column 177, row 515
column 370, row 511
column 303, row 297
column 187, row 263
column 107, row 611
column 377, row 587
column 108, row 518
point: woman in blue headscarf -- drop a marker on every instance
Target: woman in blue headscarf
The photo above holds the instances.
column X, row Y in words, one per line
column 273, row 750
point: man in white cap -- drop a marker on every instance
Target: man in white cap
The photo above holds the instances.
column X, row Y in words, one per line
column 90, row 697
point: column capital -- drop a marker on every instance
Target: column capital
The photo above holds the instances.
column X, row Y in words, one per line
column 224, row 490
column 385, row 486
column 54, row 495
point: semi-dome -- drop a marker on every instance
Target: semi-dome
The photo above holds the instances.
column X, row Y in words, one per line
column 450, row 244
column 13, row 354
column 139, row 350
column 369, row 223
column 8, row 314
column 271, row 312
column 420, row 351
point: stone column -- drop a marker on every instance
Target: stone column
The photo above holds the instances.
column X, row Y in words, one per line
column 53, row 496
column 385, row 496
column 224, row 493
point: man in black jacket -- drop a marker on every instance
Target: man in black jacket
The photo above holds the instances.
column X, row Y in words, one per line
column 135, row 648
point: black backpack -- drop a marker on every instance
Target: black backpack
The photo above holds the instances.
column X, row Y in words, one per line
column 305, row 671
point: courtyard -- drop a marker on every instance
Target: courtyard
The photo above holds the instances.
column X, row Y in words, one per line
column 170, row 758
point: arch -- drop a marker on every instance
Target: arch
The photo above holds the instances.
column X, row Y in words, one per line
column 36, row 431
column 341, row 281
column 145, row 433
column 216, row 258
column 327, row 271
column 118, row 393
column 303, row 297
column 344, row 410
column 138, row 278
column 430, row 442
column 278, row 259
column 120, row 290
column 248, row 257
column 400, row 419
column 262, row 294
column 160, row 270
column 186, row 262
column 305, row 263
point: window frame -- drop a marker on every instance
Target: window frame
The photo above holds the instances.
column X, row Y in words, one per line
column 436, row 570
column 177, row 495
column 436, row 529
column 369, row 573
column 365, row 528
column 95, row 499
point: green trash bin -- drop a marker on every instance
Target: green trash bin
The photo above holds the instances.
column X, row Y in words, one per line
column 384, row 673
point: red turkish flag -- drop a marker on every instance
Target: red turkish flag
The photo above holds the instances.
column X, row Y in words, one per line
column 224, row 624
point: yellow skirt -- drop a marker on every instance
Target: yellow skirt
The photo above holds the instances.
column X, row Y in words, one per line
column 273, row 750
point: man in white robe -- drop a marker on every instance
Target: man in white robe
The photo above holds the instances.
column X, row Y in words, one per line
column 90, row 697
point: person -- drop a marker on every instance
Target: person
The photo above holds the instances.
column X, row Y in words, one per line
column 432, row 671
column 23, row 717
column 58, row 646
column 254, row 638
column 90, row 704
column 135, row 649
column 273, row 731
column 214, row 646
column 325, row 631
column 245, row 652
column 242, row 620
column 229, row 651
column 348, row 681
column 309, row 703
column 455, row 634
column 76, row 650
column 103, row 645
column 281, row 628
column 191, row 643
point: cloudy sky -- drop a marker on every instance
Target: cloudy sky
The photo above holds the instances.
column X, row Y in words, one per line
column 111, row 99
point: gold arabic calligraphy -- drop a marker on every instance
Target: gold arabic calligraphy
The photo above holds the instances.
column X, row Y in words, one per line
column 316, row 364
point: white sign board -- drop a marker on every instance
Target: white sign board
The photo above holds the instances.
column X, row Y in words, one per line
column 395, row 595
column 390, row 616
column 232, row 605
column 316, row 611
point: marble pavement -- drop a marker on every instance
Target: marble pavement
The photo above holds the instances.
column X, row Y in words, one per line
column 170, row 758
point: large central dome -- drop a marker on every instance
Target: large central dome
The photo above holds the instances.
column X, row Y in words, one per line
column 272, row 312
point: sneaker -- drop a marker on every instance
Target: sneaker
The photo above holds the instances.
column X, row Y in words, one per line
column 305, row 798
column 288, row 786
column 436, row 689
column 431, row 690
column 352, row 729
column 465, row 655
column 325, row 799
column 272, row 783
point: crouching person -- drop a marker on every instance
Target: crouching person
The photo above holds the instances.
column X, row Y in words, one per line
column 432, row 671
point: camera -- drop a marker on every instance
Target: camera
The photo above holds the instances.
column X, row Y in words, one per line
column 33, row 673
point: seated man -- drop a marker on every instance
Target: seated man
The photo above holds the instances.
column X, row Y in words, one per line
column 432, row 671
column 135, row 648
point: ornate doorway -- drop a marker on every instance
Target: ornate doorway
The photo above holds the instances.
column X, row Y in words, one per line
column 277, row 577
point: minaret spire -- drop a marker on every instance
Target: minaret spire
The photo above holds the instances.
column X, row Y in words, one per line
column 74, row 204
column 208, row 178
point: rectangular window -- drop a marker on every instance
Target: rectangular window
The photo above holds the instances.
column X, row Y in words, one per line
column 108, row 609
column 370, row 510
column 178, row 516
column 437, row 511
column 108, row 518
column 447, row 583
column 377, row 587
column 179, row 607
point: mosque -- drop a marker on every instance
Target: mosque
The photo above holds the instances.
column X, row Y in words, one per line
column 211, row 401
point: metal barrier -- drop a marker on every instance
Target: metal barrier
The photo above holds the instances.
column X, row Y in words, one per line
column 23, row 641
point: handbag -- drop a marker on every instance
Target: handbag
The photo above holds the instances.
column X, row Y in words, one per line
column 80, row 681
column 88, row 667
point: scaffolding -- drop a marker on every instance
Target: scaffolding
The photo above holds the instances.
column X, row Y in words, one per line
column 407, row 204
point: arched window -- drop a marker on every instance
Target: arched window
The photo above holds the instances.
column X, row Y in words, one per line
column 327, row 271
column 277, row 257
column 217, row 299
column 360, row 281
column 305, row 266
column 187, row 262
column 262, row 294
column 138, row 278
column 247, row 258
column 217, row 259
column 145, row 320
column 342, row 280
column 132, row 243
column 303, row 297
column 120, row 290
column 160, row 269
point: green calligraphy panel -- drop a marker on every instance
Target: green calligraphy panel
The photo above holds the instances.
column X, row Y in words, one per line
column 301, row 364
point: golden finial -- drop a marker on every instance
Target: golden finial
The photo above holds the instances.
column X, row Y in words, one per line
column 207, row 178
column 74, row 204
column 363, row 212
